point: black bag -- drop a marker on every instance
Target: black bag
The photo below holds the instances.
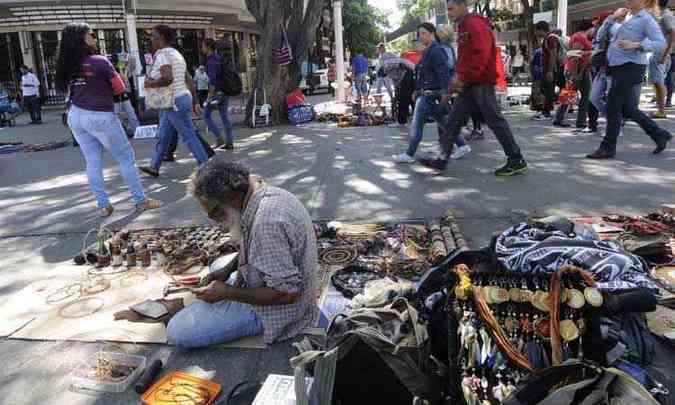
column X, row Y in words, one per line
column 228, row 80
column 383, row 357
column 583, row 383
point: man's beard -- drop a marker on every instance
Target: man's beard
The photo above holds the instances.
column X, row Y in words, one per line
column 234, row 224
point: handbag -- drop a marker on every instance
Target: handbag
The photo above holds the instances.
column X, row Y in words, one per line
column 159, row 98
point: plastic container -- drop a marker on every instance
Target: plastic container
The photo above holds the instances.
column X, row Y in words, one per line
column 79, row 380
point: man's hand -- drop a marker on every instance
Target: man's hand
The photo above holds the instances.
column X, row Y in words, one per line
column 214, row 292
column 196, row 109
column 458, row 86
column 445, row 99
column 628, row 45
column 621, row 13
column 664, row 58
column 549, row 76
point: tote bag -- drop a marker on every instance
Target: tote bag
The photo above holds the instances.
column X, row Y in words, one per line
column 159, row 98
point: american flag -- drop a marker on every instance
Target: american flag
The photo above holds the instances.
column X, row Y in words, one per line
column 285, row 53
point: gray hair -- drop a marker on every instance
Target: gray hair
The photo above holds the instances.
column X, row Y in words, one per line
column 219, row 180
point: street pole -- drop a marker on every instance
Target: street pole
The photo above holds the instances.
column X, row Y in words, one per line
column 562, row 16
column 339, row 51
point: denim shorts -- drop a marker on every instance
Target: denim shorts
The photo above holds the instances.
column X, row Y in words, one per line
column 658, row 72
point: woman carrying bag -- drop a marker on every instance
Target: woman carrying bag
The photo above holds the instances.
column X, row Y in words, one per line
column 91, row 82
column 171, row 90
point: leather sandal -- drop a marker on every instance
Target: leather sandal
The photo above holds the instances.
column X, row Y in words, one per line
column 148, row 204
column 107, row 211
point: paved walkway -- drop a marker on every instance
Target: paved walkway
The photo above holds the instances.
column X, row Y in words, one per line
column 343, row 174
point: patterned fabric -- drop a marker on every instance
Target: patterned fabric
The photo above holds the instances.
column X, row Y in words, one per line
column 524, row 249
column 282, row 255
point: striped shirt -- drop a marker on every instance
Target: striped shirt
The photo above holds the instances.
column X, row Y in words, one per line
column 282, row 255
column 170, row 56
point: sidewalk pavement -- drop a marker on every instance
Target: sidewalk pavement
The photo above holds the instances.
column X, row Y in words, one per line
column 339, row 174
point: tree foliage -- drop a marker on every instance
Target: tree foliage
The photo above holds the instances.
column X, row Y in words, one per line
column 416, row 9
column 363, row 26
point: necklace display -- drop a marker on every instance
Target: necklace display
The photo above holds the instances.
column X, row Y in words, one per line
column 506, row 327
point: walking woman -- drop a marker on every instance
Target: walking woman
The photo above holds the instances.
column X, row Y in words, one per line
column 91, row 82
column 169, row 70
column 627, row 62
column 432, row 92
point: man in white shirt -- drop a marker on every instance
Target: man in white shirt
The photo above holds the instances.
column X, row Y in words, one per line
column 30, row 88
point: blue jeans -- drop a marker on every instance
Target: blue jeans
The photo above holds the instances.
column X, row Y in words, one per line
column 202, row 324
column 599, row 88
column 95, row 131
column 360, row 84
column 126, row 107
column 425, row 107
column 223, row 110
column 179, row 119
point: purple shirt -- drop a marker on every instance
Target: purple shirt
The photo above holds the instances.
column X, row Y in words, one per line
column 93, row 90
column 213, row 67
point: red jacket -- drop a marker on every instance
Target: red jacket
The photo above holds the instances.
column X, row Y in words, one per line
column 477, row 52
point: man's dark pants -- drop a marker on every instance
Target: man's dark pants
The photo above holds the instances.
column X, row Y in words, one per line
column 622, row 100
column 548, row 90
column 479, row 98
column 34, row 107
column 583, row 84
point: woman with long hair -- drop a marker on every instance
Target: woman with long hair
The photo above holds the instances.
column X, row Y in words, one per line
column 638, row 35
column 170, row 70
column 91, row 82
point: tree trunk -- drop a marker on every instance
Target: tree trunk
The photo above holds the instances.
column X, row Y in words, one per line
column 528, row 13
column 274, row 80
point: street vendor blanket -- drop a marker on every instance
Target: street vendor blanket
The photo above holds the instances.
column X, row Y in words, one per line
column 525, row 249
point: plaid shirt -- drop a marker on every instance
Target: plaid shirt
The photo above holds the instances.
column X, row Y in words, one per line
column 282, row 255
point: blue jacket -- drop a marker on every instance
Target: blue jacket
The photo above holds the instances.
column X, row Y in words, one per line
column 433, row 72
column 360, row 65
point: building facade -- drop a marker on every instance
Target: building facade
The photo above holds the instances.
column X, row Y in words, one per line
column 30, row 31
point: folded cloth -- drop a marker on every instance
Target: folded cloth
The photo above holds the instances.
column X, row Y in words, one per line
column 524, row 249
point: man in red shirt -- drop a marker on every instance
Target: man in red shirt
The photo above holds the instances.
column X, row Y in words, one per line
column 549, row 50
column 578, row 71
column 475, row 83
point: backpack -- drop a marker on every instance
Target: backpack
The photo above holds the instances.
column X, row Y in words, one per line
column 561, row 50
column 228, row 80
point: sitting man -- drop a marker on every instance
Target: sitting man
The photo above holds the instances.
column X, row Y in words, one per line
column 275, row 287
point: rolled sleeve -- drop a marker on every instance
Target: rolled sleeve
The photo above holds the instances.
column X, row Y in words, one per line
column 655, row 41
column 271, row 258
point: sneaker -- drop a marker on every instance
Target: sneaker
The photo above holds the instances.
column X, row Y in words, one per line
column 403, row 158
column 588, row 130
column 228, row 146
column 218, row 144
column 107, row 211
column 460, row 152
column 148, row 204
column 542, row 117
column 436, row 163
column 149, row 171
column 511, row 168
column 475, row 135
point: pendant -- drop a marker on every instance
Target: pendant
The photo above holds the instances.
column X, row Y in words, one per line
column 540, row 300
column 593, row 296
column 568, row 330
column 576, row 299
column 498, row 295
column 515, row 294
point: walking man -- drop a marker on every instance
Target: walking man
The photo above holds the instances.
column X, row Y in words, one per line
column 360, row 71
column 30, row 87
column 216, row 100
column 475, row 83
